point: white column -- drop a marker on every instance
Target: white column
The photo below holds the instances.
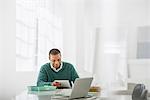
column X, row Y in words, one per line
column 69, row 31
column 106, row 35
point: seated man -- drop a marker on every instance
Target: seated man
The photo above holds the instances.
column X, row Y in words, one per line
column 56, row 70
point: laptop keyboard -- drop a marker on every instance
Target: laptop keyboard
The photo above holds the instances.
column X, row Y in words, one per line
column 63, row 92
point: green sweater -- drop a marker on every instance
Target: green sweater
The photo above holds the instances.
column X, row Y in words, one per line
column 47, row 75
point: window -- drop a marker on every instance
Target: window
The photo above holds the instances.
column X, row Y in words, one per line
column 37, row 31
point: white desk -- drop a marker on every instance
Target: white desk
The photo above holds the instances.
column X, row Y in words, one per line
column 48, row 95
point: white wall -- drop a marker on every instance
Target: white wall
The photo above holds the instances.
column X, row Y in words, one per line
column 7, row 49
column 0, row 46
column 86, row 15
column 135, row 14
column 11, row 82
column 131, row 15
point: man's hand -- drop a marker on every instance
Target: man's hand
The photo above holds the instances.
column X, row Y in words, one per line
column 57, row 84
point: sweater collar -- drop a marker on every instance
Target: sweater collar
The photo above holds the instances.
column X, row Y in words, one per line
column 56, row 70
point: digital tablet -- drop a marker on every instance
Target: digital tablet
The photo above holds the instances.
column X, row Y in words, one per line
column 64, row 83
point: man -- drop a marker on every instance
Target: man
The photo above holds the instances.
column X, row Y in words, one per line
column 56, row 70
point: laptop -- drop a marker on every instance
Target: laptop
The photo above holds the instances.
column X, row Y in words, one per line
column 79, row 90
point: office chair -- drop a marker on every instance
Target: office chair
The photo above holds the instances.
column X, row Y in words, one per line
column 140, row 92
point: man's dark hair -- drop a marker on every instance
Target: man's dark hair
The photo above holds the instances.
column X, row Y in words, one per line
column 54, row 51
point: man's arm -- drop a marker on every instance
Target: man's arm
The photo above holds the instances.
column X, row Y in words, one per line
column 74, row 74
column 42, row 78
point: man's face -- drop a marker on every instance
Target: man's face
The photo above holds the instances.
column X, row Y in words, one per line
column 55, row 60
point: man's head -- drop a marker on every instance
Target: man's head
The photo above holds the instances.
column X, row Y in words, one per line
column 55, row 57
